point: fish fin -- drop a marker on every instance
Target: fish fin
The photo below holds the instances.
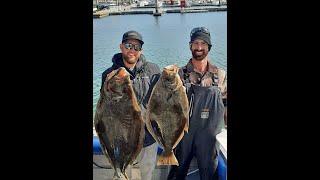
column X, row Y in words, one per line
column 178, row 140
column 186, row 127
column 99, row 127
column 105, row 149
column 148, row 124
column 150, row 128
column 168, row 159
column 184, row 103
column 158, row 132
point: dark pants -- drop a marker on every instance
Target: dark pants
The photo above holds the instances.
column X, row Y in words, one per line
column 202, row 146
column 205, row 122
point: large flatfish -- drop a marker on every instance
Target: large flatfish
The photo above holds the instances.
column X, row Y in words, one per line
column 118, row 122
column 167, row 113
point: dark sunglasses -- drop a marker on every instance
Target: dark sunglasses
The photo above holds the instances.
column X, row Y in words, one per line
column 200, row 29
column 136, row 47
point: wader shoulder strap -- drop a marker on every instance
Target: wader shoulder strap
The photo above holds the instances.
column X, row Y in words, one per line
column 186, row 80
column 185, row 75
column 215, row 78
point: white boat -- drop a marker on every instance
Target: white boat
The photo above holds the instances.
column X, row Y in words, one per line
column 143, row 3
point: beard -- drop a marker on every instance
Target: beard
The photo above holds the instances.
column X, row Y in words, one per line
column 130, row 59
column 199, row 55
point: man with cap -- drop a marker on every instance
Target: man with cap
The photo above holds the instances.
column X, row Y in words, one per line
column 206, row 86
column 143, row 75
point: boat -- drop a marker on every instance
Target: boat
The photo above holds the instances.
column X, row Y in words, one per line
column 102, row 168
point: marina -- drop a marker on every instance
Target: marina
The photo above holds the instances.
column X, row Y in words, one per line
column 156, row 10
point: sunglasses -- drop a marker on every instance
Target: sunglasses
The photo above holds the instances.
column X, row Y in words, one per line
column 136, row 47
column 200, row 29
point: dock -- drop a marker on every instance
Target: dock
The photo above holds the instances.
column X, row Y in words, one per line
column 131, row 10
column 187, row 11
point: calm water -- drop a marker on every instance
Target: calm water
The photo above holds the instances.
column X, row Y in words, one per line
column 166, row 39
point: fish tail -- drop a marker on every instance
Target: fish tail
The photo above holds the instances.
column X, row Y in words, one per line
column 167, row 159
column 118, row 175
column 125, row 176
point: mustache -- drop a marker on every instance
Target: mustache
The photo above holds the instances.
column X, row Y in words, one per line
column 197, row 50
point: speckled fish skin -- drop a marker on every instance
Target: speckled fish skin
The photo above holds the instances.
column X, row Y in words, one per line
column 167, row 113
column 118, row 122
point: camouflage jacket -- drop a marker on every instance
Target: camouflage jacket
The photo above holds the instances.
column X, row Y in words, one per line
column 213, row 75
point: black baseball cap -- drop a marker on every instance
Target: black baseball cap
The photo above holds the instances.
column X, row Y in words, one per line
column 201, row 33
column 132, row 35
